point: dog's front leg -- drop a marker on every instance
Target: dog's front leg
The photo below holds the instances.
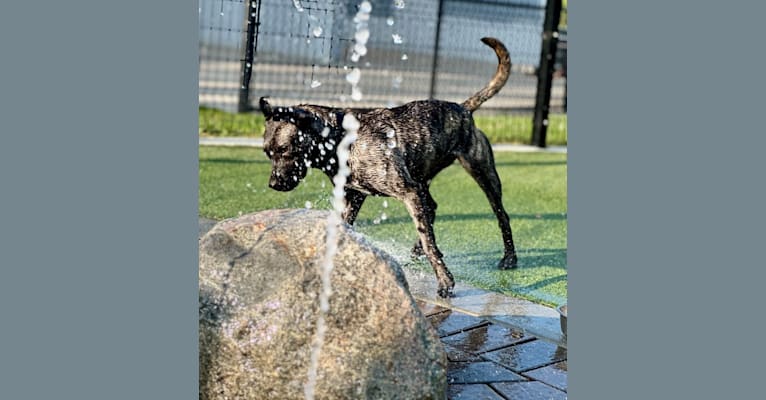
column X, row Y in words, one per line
column 354, row 201
column 418, row 203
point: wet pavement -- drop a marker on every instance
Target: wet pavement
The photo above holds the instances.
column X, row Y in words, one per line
column 492, row 361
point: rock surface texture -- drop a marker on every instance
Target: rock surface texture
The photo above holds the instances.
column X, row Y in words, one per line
column 259, row 281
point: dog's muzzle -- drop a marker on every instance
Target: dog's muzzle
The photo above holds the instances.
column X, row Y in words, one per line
column 281, row 185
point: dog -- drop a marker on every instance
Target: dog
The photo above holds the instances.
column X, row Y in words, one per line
column 397, row 153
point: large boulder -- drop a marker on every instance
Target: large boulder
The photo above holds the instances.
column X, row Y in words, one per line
column 258, row 306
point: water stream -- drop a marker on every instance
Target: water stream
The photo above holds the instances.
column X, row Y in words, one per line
column 351, row 126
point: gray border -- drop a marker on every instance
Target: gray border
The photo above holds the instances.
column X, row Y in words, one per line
column 98, row 166
column 665, row 200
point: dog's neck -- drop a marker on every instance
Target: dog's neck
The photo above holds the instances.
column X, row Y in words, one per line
column 324, row 145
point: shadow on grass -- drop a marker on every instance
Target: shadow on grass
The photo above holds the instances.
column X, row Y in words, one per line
column 528, row 258
column 489, row 217
column 529, row 163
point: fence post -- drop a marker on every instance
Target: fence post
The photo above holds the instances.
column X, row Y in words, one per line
column 545, row 71
column 253, row 13
column 435, row 64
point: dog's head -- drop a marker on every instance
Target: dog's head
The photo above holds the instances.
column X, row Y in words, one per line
column 287, row 143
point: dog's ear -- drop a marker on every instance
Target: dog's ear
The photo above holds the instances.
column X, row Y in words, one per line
column 265, row 107
column 305, row 120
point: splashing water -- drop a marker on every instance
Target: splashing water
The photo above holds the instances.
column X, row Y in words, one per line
column 360, row 46
column 315, row 84
column 399, row 4
column 397, row 38
column 351, row 126
column 317, row 32
column 298, row 6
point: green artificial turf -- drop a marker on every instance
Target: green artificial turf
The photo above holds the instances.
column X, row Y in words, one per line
column 500, row 128
column 233, row 181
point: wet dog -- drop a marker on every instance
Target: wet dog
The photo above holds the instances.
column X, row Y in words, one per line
column 397, row 153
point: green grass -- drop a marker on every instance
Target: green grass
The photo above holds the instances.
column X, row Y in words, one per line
column 234, row 181
column 214, row 122
column 498, row 128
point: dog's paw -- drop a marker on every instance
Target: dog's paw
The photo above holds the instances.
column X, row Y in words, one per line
column 508, row 262
column 445, row 288
column 445, row 292
column 417, row 251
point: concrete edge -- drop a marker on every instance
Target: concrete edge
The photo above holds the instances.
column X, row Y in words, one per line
column 258, row 142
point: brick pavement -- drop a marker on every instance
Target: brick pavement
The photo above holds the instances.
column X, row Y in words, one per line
column 490, row 361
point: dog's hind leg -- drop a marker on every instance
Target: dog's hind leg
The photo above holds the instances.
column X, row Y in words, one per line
column 480, row 163
column 417, row 250
column 354, row 201
column 418, row 202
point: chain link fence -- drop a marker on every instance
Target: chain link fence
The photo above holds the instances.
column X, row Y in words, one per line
column 417, row 49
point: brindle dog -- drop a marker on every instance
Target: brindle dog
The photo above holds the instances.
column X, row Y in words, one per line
column 397, row 153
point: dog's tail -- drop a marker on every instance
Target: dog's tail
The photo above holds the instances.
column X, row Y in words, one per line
column 498, row 81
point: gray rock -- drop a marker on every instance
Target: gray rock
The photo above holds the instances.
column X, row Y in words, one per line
column 258, row 305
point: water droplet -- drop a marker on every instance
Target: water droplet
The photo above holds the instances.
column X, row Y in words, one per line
column 308, row 204
column 391, row 144
column 399, row 4
column 317, row 31
column 328, row 146
column 360, row 49
column 362, row 35
column 385, row 203
column 350, row 123
column 396, row 82
column 390, row 21
column 397, row 38
column 545, row 122
column 297, row 4
column 404, row 56
column 315, row 84
column 356, row 94
column 222, row 16
column 390, row 133
column 354, row 76
column 387, row 152
column 383, row 216
column 365, row 7
column 376, row 221
column 325, row 132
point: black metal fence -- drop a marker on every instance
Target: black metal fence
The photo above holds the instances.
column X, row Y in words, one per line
column 299, row 51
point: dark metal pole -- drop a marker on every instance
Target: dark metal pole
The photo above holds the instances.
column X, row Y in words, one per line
column 435, row 64
column 545, row 71
column 253, row 11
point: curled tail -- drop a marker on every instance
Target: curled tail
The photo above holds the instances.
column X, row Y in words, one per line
column 498, row 81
